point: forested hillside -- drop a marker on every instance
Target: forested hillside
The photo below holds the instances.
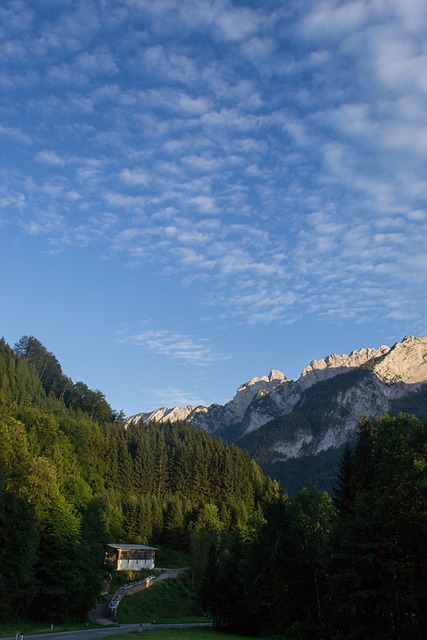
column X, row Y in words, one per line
column 74, row 478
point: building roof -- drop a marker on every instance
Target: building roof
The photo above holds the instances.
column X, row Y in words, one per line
column 128, row 547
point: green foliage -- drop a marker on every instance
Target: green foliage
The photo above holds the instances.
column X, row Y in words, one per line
column 47, row 366
column 19, row 383
column 354, row 569
column 165, row 601
column 319, row 470
column 206, row 533
column 19, row 543
column 75, row 477
column 93, row 403
column 377, row 566
column 169, row 558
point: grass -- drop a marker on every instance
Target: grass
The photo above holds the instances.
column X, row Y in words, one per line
column 165, row 601
column 119, row 578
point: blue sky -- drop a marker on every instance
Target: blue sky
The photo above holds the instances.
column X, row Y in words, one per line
column 194, row 192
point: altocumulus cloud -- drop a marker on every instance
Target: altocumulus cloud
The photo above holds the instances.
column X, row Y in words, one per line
column 170, row 344
column 264, row 147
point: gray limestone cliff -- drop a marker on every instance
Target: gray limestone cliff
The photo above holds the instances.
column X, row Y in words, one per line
column 278, row 419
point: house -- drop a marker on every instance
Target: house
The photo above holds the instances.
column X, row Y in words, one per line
column 132, row 557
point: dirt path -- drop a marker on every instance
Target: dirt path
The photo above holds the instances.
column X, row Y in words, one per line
column 171, row 573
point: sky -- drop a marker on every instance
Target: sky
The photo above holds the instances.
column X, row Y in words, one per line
column 195, row 192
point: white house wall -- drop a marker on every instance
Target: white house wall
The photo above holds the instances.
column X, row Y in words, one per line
column 135, row 565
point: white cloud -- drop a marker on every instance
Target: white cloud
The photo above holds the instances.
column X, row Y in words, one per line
column 400, row 64
column 333, row 17
column 99, row 61
column 412, row 13
column 15, row 200
column 224, row 18
column 173, row 397
column 259, row 49
column 192, row 105
column 204, row 204
column 49, row 157
column 236, row 23
column 352, row 118
column 185, row 348
column 15, row 134
column 135, row 177
column 65, row 74
column 123, row 201
column 15, row 18
column 47, row 223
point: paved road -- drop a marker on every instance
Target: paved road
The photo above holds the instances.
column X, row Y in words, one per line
column 92, row 634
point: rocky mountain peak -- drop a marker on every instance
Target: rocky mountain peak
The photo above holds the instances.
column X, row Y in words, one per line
column 277, row 375
column 279, row 420
column 274, row 377
column 405, row 362
column 386, row 375
column 356, row 358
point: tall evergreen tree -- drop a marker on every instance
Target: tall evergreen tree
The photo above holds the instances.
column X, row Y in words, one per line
column 19, row 542
column 378, row 566
column 47, row 366
column 19, row 382
column 174, row 523
column 344, row 493
column 94, row 537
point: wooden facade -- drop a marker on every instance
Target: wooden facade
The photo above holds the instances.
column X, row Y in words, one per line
column 132, row 557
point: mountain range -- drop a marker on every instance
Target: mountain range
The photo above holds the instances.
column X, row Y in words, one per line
column 296, row 429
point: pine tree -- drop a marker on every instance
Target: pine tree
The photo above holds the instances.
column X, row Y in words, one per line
column 47, row 366
column 19, row 542
column 161, row 468
column 344, row 493
column 377, row 569
column 174, row 524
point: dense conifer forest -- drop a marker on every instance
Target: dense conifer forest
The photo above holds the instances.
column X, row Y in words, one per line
column 74, row 477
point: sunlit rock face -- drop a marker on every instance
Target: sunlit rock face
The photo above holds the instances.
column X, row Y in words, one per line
column 335, row 364
column 319, row 410
column 216, row 416
column 405, row 362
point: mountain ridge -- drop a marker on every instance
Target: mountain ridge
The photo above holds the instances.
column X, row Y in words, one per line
column 413, row 371
column 289, row 419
